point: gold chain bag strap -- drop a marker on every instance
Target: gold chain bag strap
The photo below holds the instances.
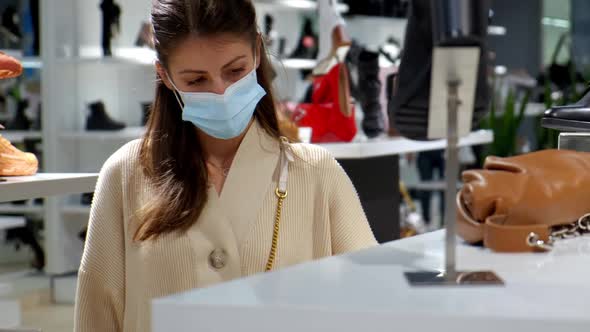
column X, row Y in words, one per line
column 281, row 193
column 527, row 202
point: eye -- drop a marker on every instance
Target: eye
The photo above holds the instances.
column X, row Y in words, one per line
column 197, row 81
column 237, row 71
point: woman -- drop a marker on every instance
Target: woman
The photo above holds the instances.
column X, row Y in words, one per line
column 211, row 192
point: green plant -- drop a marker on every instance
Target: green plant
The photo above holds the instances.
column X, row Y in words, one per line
column 505, row 125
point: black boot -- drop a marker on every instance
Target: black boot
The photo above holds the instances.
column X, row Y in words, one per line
column 26, row 235
column 575, row 117
column 352, row 62
column 307, row 48
column 86, row 199
column 20, row 120
column 111, row 13
column 10, row 23
column 100, row 120
column 146, row 110
column 369, row 90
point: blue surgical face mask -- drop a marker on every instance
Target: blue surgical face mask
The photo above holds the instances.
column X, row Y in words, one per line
column 223, row 116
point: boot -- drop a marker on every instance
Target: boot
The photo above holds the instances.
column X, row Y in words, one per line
column 369, row 92
column 86, row 198
column 146, row 109
column 26, row 235
column 307, row 48
column 575, row 117
column 14, row 162
column 100, row 120
column 82, row 234
column 10, row 21
column 111, row 14
column 20, row 120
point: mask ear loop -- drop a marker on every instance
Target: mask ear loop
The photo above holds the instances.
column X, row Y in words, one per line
column 175, row 91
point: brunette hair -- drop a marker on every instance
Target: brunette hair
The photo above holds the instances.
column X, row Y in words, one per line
column 171, row 156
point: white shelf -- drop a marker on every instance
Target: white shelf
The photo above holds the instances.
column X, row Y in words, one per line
column 496, row 30
column 21, row 209
column 46, row 184
column 20, row 135
column 354, row 150
column 28, row 62
column 31, row 62
column 12, row 222
column 394, row 146
column 76, row 210
column 303, row 5
column 302, row 64
column 141, row 56
column 310, row 64
column 127, row 134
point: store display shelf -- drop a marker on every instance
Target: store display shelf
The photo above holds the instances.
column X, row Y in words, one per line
column 302, row 64
column 28, row 62
column 12, row 222
column 127, row 134
column 46, row 184
column 76, row 210
column 122, row 56
column 496, row 30
column 21, row 209
column 310, row 64
column 31, row 62
column 304, row 5
column 397, row 145
column 20, row 135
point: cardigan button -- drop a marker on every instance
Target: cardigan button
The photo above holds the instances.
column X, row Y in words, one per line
column 218, row 258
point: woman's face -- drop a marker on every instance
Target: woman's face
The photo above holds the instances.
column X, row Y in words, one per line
column 209, row 64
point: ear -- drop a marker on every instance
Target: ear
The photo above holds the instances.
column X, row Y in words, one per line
column 163, row 75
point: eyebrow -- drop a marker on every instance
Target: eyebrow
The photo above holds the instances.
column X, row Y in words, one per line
column 194, row 71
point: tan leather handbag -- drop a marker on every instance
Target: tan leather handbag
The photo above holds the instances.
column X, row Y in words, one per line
column 525, row 203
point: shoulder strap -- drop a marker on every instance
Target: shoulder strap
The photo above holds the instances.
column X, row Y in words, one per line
column 502, row 238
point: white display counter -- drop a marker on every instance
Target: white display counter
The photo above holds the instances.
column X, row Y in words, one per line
column 367, row 291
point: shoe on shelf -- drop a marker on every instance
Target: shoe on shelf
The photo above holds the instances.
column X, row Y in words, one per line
column 145, row 37
column 10, row 25
column 369, row 93
column 27, row 236
column 14, row 162
column 574, row 117
column 307, row 48
column 20, row 120
column 99, row 119
column 86, row 199
column 9, row 67
column 146, row 108
column 82, row 234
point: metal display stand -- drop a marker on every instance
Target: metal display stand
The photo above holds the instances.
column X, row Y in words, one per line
column 458, row 81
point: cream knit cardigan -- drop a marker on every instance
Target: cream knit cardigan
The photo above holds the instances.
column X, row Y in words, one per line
column 118, row 277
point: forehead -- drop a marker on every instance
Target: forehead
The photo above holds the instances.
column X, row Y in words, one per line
column 199, row 52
